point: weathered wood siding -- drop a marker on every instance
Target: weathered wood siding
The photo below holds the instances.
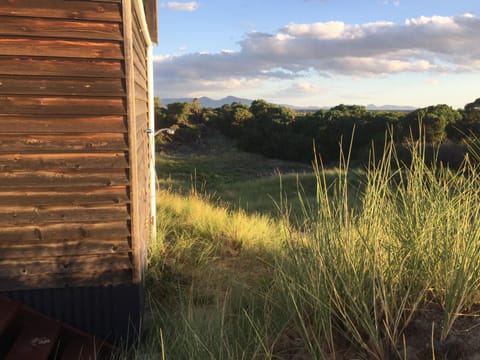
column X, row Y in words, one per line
column 143, row 143
column 67, row 160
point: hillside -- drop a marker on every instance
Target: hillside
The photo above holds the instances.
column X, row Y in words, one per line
column 389, row 274
column 209, row 102
column 214, row 166
column 216, row 103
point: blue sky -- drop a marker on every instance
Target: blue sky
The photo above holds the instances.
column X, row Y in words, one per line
column 320, row 52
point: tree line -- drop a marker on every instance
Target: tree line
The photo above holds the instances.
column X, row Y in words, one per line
column 280, row 132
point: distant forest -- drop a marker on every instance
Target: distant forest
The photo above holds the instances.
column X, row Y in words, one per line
column 280, row 132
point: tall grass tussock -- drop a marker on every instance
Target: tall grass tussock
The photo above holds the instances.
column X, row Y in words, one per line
column 355, row 279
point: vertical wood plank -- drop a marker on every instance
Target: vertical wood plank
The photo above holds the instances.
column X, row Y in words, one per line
column 131, row 119
column 153, row 174
column 151, row 15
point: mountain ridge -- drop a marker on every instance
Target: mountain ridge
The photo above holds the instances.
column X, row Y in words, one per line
column 206, row 101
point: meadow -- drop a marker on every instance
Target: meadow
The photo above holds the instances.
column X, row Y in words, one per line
column 265, row 259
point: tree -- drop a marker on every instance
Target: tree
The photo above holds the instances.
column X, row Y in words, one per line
column 157, row 102
column 469, row 124
column 264, row 111
column 240, row 114
column 178, row 112
column 472, row 113
column 160, row 114
column 432, row 121
column 196, row 113
column 259, row 108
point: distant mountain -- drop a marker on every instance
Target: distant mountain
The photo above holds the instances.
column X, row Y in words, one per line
column 373, row 107
column 209, row 102
column 212, row 103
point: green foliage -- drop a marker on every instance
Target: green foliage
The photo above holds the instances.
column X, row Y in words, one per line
column 432, row 121
column 218, row 167
column 359, row 275
column 279, row 132
column 178, row 113
column 469, row 124
column 347, row 282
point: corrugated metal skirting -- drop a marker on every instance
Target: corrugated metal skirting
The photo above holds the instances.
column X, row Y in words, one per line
column 110, row 312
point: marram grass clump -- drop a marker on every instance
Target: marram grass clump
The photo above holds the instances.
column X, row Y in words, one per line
column 358, row 276
column 209, row 272
column 348, row 283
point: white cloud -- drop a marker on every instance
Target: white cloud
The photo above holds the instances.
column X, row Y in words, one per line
column 333, row 30
column 306, row 87
column 182, row 6
column 394, row 2
column 429, row 45
column 326, row 30
column 229, row 84
column 433, row 20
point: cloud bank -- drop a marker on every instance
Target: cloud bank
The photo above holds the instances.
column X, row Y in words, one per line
column 181, row 6
column 434, row 44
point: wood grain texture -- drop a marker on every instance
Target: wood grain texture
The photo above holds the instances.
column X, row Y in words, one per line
column 42, row 105
column 63, row 265
column 60, row 48
column 137, row 232
column 68, row 172
column 75, row 231
column 151, row 17
column 39, row 124
column 76, row 162
column 140, row 39
column 89, row 87
column 84, row 10
column 140, row 57
column 62, row 280
column 30, row 66
column 141, row 108
column 20, row 216
column 61, row 196
column 15, row 143
column 64, row 247
column 139, row 74
column 57, row 28
column 143, row 141
column 59, row 178
column 140, row 92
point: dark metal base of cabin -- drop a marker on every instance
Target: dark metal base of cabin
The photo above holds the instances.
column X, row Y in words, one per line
column 26, row 334
column 112, row 313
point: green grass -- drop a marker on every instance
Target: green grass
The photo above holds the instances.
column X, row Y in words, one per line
column 240, row 180
column 209, row 267
column 217, row 168
column 369, row 253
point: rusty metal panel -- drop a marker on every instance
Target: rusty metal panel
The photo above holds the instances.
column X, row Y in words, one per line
column 109, row 312
column 26, row 334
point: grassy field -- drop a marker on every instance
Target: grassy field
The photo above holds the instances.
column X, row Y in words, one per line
column 237, row 179
column 377, row 264
column 217, row 168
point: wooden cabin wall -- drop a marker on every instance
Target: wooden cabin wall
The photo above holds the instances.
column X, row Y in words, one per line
column 142, row 141
column 65, row 179
column 150, row 9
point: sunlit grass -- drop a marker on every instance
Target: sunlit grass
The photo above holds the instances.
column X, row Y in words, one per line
column 358, row 275
column 368, row 251
column 208, row 266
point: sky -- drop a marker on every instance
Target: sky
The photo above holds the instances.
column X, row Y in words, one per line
column 320, row 52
